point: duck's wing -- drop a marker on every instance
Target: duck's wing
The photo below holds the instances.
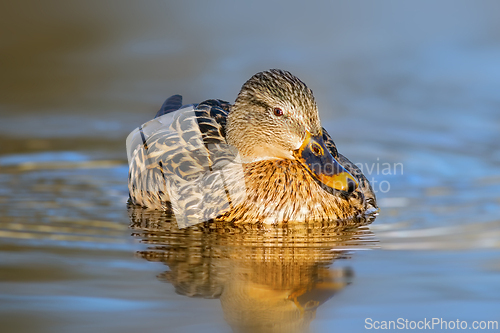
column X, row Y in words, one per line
column 174, row 157
column 364, row 185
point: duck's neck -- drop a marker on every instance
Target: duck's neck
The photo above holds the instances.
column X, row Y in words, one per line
column 265, row 152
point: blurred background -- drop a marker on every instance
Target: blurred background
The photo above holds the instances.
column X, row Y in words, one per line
column 408, row 90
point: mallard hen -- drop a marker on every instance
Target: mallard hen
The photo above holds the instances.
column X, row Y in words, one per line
column 265, row 158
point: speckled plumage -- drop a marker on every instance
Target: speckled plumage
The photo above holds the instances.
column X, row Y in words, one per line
column 277, row 187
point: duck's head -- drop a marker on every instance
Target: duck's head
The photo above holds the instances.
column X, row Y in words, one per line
column 275, row 116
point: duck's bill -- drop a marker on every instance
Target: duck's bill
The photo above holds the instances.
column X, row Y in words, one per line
column 316, row 158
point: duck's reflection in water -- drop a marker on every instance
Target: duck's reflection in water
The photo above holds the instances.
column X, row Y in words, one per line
column 268, row 278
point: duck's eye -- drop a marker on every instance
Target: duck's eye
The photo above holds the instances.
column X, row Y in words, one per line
column 316, row 149
column 278, row 112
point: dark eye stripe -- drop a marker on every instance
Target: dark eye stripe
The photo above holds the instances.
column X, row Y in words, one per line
column 259, row 103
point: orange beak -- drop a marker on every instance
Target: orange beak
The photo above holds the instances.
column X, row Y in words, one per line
column 316, row 158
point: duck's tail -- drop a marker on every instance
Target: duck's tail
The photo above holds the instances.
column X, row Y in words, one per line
column 173, row 103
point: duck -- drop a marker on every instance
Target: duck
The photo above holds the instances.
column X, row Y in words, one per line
column 264, row 159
